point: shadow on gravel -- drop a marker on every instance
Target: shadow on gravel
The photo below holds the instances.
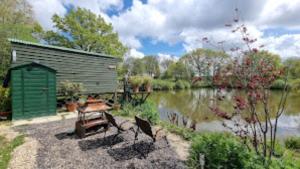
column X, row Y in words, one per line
column 66, row 135
column 139, row 150
column 86, row 145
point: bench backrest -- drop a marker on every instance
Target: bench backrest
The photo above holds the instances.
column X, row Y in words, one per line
column 111, row 119
column 144, row 126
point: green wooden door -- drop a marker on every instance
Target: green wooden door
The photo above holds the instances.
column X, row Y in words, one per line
column 36, row 91
column 33, row 91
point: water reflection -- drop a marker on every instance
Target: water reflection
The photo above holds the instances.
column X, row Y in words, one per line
column 190, row 108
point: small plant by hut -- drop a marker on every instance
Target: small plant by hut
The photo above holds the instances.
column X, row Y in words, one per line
column 147, row 81
column 136, row 82
column 71, row 91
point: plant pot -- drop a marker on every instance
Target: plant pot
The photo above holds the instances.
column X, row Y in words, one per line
column 71, row 106
column 148, row 88
column 4, row 115
column 136, row 89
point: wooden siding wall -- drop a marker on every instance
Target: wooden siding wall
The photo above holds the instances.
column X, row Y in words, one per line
column 93, row 71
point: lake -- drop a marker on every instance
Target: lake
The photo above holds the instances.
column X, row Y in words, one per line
column 191, row 108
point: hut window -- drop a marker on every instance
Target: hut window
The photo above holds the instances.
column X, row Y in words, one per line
column 111, row 67
column 14, row 55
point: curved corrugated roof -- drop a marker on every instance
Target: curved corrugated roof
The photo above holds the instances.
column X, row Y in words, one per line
column 59, row 48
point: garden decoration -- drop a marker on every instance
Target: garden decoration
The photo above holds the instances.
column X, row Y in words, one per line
column 120, row 126
column 146, row 128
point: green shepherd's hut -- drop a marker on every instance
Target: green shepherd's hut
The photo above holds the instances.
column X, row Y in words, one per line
column 37, row 70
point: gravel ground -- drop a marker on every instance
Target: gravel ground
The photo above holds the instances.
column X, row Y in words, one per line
column 60, row 149
column 24, row 156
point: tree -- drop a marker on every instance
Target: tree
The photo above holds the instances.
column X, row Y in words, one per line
column 253, row 72
column 177, row 70
column 138, row 67
column 151, row 66
column 294, row 64
column 166, row 63
column 205, row 62
column 84, row 30
column 16, row 21
column 272, row 58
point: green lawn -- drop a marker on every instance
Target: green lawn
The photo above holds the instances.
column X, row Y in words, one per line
column 7, row 148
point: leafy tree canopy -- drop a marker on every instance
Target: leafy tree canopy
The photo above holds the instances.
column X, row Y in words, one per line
column 177, row 70
column 151, row 66
column 205, row 62
column 84, row 30
column 273, row 59
column 16, row 21
column 294, row 67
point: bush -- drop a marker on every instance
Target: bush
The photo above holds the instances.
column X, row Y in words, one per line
column 278, row 84
column 5, row 100
column 288, row 160
column 182, row 84
column 127, row 110
column 148, row 111
column 295, row 84
column 292, row 143
column 201, row 84
column 221, row 151
column 163, row 84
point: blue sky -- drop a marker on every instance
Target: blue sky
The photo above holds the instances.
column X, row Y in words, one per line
column 172, row 28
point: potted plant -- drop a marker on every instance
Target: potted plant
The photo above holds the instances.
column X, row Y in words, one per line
column 71, row 91
column 5, row 103
column 136, row 82
column 147, row 83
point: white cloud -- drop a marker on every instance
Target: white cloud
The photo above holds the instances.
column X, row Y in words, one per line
column 281, row 13
column 164, row 20
column 192, row 38
column 285, row 45
column 96, row 6
column 45, row 9
column 131, row 41
column 133, row 53
column 162, row 57
column 188, row 21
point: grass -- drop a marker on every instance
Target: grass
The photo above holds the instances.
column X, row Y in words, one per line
column 185, row 133
column 7, row 148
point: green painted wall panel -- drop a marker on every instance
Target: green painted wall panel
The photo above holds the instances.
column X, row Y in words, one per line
column 76, row 67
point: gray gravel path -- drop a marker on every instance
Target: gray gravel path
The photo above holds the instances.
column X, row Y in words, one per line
column 58, row 149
